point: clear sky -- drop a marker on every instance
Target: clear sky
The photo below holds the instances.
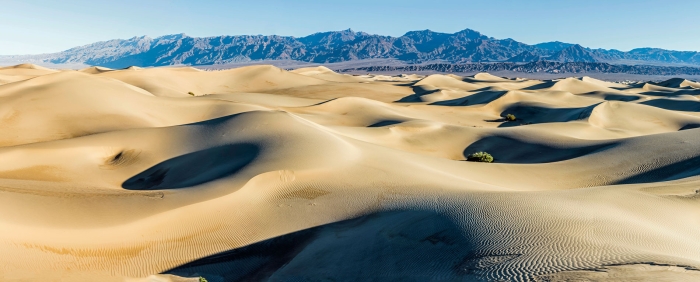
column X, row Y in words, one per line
column 34, row 26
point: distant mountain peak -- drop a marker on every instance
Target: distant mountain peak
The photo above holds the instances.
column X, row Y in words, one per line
column 345, row 45
column 172, row 36
column 574, row 53
column 422, row 32
column 470, row 33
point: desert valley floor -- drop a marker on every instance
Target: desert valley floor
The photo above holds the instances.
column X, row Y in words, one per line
column 263, row 174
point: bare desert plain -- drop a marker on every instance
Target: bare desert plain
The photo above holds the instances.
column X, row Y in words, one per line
column 263, row 174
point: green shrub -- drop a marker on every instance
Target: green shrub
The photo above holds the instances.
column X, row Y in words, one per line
column 482, row 157
column 510, row 117
column 202, row 279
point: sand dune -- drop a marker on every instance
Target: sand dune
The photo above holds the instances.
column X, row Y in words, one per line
column 325, row 73
column 489, row 77
column 575, row 86
column 23, row 67
column 263, row 174
column 177, row 82
column 439, row 81
column 95, row 70
column 603, row 83
column 679, row 83
column 22, row 72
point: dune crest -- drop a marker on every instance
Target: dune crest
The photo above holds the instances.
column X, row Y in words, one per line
column 95, row 70
column 265, row 174
column 27, row 66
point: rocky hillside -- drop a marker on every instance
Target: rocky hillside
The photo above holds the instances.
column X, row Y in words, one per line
column 534, row 67
column 466, row 46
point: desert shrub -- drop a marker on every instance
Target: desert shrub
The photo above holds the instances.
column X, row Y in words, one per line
column 191, row 93
column 510, row 117
column 482, row 157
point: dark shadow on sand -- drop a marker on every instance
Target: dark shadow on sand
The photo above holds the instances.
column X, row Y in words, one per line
column 479, row 98
column 509, row 150
column 674, row 105
column 534, row 114
column 194, row 168
column 613, row 97
column 418, row 91
column 385, row 123
column 678, row 170
column 384, row 246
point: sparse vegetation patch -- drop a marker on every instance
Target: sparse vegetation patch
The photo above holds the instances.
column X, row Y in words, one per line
column 482, row 157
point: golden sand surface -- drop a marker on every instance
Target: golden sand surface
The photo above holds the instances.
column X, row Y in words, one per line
column 263, row 174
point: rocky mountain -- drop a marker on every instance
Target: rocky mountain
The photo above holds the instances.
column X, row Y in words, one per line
column 425, row 46
column 575, row 53
column 524, row 57
column 533, row 67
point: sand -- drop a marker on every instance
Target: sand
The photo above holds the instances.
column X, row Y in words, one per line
column 262, row 174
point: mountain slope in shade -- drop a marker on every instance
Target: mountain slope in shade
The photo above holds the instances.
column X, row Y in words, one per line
column 525, row 57
column 574, row 53
column 465, row 46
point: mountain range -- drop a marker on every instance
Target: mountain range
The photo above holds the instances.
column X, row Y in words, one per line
column 531, row 67
column 414, row 47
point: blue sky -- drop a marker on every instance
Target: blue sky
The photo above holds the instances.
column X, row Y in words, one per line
column 33, row 26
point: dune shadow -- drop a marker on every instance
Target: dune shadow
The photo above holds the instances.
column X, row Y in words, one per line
column 479, row 98
column 622, row 98
column 674, row 171
column 510, row 150
column 388, row 246
column 194, row 168
column 691, row 92
column 689, row 126
column 614, row 97
column 418, row 91
column 496, row 120
column 533, row 114
column 674, row 105
column 385, row 123
column 540, row 86
column 405, row 84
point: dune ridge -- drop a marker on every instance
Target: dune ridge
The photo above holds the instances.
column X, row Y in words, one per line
column 263, row 174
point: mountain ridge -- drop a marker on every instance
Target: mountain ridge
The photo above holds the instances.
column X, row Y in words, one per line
column 422, row 46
